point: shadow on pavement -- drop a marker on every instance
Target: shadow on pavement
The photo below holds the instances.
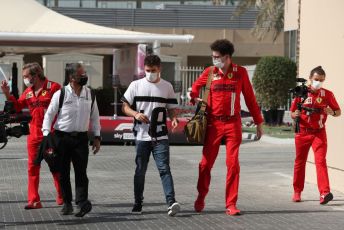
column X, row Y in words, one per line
column 127, row 205
column 77, row 221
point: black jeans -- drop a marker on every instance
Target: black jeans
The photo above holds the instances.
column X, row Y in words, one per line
column 73, row 147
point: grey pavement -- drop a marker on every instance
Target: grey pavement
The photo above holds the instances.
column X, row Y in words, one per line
column 264, row 197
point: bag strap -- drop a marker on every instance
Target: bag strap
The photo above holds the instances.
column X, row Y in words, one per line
column 62, row 94
column 206, row 92
column 61, row 99
column 93, row 97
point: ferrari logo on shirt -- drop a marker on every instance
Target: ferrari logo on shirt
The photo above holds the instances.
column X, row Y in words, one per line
column 319, row 100
column 230, row 75
column 44, row 92
column 29, row 95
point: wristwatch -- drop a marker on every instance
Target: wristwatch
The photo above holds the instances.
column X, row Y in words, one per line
column 98, row 138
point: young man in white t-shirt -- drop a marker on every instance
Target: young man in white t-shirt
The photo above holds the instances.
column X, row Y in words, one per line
column 147, row 100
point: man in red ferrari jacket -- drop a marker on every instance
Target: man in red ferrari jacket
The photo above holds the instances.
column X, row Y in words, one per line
column 223, row 113
column 36, row 97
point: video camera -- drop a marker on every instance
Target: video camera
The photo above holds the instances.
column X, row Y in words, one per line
column 301, row 91
column 9, row 116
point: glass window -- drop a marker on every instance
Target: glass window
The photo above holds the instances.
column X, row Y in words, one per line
column 117, row 4
column 88, row 3
column 158, row 4
column 69, row 3
column 292, row 44
column 198, row 2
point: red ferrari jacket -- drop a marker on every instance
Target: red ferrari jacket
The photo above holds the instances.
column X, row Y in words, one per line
column 37, row 105
column 225, row 90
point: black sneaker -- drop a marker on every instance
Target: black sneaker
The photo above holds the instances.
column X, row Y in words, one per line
column 137, row 209
column 173, row 209
column 67, row 209
column 325, row 198
column 83, row 209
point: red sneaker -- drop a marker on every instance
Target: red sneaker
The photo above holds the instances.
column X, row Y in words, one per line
column 232, row 211
column 297, row 197
column 34, row 205
column 199, row 204
column 325, row 198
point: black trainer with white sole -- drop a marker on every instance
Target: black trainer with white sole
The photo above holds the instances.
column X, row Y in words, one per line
column 173, row 209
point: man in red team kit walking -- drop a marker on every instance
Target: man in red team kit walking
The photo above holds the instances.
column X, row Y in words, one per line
column 36, row 97
column 313, row 134
column 224, row 121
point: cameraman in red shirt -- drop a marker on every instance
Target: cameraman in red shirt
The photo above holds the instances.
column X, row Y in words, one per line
column 313, row 134
column 37, row 98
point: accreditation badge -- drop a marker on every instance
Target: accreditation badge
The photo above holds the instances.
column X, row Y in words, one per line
column 319, row 100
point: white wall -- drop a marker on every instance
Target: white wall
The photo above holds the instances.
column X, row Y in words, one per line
column 54, row 67
column 322, row 43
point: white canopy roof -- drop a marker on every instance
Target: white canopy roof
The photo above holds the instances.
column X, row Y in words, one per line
column 28, row 23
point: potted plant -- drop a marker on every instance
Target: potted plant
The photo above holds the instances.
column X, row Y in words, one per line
column 272, row 79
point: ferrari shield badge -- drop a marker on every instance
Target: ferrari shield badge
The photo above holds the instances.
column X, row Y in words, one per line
column 29, row 95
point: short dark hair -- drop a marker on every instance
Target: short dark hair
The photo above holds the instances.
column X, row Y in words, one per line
column 35, row 69
column 319, row 70
column 152, row 60
column 223, row 46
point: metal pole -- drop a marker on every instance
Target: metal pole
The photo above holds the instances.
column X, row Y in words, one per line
column 115, row 103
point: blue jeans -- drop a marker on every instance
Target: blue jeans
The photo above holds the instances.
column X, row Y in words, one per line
column 161, row 154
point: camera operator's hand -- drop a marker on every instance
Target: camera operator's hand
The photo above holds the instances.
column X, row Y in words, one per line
column 296, row 113
column 328, row 111
column 5, row 89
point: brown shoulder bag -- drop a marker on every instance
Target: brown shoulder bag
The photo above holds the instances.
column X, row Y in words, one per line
column 196, row 127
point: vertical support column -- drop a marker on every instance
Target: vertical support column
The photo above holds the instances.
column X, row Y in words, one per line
column 115, row 79
column 156, row 47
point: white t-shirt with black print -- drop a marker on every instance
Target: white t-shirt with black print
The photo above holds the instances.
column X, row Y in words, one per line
column 151, row 99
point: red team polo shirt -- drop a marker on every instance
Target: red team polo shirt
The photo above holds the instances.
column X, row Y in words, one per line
column 225, row 90
column 321, row 99
column 37, row 105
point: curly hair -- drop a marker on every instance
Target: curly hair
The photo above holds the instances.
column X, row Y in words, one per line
column 223, row 46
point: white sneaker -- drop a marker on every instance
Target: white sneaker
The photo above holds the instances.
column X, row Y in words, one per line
column 173, row 209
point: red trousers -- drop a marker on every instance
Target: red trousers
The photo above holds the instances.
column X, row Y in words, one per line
column 318, row 141
column 33, row 173
column 232, row 134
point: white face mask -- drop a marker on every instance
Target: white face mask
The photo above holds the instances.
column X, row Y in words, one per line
column 316, row 84
column 152, row 77
column 218, row 63
column 27, row 82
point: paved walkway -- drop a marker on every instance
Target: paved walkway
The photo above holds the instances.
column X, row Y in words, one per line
column 264, row 198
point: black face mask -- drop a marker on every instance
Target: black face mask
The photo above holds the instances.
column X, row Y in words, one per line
column 82, row 81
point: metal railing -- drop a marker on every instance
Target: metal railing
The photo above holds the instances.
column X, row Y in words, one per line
column 188, row 75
